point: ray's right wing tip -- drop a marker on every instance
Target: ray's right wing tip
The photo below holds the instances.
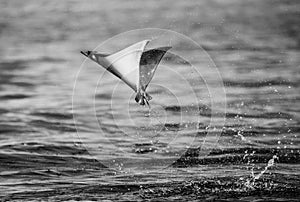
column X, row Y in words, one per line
column 146, row 42
column 165, row 48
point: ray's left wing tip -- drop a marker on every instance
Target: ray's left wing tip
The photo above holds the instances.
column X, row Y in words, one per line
column 86, row 53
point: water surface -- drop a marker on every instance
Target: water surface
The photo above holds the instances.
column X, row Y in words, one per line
column 255, row 45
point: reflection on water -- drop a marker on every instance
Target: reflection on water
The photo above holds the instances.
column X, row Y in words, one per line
column 256, row 48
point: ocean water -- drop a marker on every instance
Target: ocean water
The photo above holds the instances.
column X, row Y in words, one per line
column 63, row 140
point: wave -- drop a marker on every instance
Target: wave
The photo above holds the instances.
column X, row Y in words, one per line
column 258, row 84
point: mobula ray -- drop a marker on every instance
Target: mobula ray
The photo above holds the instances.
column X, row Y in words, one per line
column 134, row 65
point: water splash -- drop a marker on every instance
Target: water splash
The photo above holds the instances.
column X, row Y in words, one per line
column 250, row 183
column 241, row 136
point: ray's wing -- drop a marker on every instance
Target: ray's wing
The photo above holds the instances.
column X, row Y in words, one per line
column 148, row 64
column 124, row 63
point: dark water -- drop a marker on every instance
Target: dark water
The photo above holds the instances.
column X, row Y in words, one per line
column 255, row 45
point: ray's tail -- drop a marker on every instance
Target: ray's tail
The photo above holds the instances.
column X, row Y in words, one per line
column 143, row 98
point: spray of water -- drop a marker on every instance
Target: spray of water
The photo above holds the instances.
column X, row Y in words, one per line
column 251, row 181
